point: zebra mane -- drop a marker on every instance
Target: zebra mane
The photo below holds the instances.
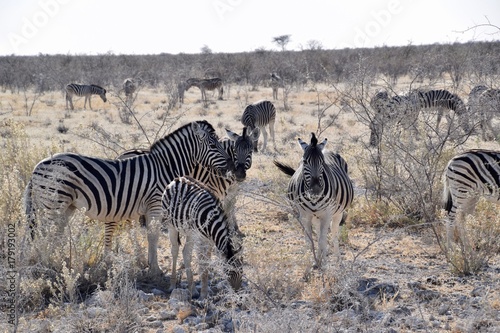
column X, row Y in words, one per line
column 203, row 123
column 314, row 140
column 96, row 86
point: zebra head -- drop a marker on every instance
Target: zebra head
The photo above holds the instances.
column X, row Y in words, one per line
column 313, row 166
column 242, row 150
column 234, row 268
column 101, row 92
column 211, row 154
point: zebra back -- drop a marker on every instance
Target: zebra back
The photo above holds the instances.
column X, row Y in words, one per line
column 258, row 114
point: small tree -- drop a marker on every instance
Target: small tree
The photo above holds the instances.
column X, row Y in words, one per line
column 282, row 41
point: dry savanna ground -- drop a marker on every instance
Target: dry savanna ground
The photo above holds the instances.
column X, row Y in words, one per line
column 392, row 277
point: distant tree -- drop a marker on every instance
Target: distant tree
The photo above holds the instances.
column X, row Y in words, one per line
column 282, row 41
column 206, row 50
column 314, row 45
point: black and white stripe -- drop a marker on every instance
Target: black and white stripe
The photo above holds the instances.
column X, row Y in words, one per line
column 468, row 177
column 190, row 208
column 206, row 84
column 259, row 115
column 87, row 91
column 239, row 148
column 116, row 190
column 322, row 191
column 404, row 109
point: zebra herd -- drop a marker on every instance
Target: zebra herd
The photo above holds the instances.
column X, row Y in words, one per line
column 187, row 181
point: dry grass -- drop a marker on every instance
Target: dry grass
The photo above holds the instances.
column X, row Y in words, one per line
column 63, row 269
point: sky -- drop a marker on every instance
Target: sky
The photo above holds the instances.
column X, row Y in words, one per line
column 31, row 27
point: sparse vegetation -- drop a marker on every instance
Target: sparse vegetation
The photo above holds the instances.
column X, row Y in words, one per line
column 395, row 274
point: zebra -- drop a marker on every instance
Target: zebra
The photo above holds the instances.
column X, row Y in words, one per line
column 181, row 89
column 259, row 115
column 190, row 208
column 404, row 109
column 206, row 84
column 322, row 191
column 483, row 103
column 118, row 190
column 225, row 188
column 276, row 82
column 83, row 90
column 129, row 86
column 467, row 177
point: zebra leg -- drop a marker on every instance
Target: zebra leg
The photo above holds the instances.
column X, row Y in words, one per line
column 335, row 225
column 173, row 234
column 152, row 224
column 271, row 131
column 109, row 229
column 70, row 100
column 187, row 256
column 264, row 134
column 204, row 254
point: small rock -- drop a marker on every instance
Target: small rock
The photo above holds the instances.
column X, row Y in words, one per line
column 145, row 297
column 158, row 292
column 180, row 295
column 167, row 315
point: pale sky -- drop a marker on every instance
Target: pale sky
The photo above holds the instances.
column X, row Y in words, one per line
column 30, row 27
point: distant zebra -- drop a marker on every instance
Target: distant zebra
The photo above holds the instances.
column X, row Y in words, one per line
column 259, row 115
column 181, row 89
column 405, row 109
column 129, row 87
column 116, row 190
column 80, row 90
column 206, row 84
column 322, row 191
column 467, row 177
column 239, row 148
column 190, row 208
column 276, row 83
column 484, row 103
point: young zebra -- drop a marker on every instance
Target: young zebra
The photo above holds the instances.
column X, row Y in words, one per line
column 276, row 83
column 239, row 148
column 322, row 191
column 117, row 190
column 259, row 115
column 73, row 89
column 129, row 87
column 190, row 208
column 206, row 84
column 467, row 177
column 405, row 109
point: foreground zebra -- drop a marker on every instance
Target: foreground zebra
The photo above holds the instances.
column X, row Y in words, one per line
column 467, row 177
column 322, row 191
column 118, row 190
column 190, row 208
column 406, row 108
column 484, row 103
column 259, row 115
column 129, row 87
column 239, row 148
column 204, row 85
column 80, row 90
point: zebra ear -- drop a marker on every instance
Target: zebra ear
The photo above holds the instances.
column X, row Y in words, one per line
column 197, row 128
column 303, row 144
column 231, row 135
column 322, row 145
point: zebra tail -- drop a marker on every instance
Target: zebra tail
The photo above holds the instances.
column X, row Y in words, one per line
column 28, row 208
column 447, row 199
column 286, row 169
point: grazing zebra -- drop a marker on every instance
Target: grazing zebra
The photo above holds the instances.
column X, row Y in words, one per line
column 322, row 191
column 118, row 190
column 239, row 148
column 259, row 115
column 190, row 208
column 276, row 82
column 406, row 108
column 129, row 87
column 83, row 90
column 467, row 177
column 206, row 84
column 484, row 103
